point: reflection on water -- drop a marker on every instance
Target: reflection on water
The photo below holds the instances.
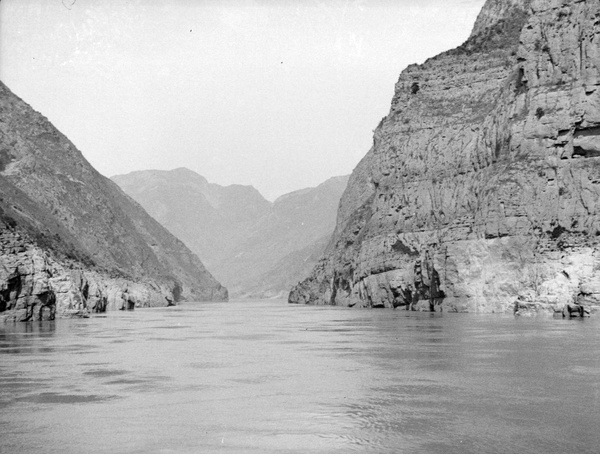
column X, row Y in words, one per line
column 268, row 377
column 23, row 337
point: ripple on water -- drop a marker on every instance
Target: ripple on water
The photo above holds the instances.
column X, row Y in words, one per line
column 19, row 383
column 178, row 326
column 127, row 381
column 105, row 372
column 58, row 398
column 167, row 339
column 207, row 365
column 270, row 379
column 255, row 380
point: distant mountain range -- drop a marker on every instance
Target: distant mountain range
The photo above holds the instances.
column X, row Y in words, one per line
column 255, row 247
column 70, row 239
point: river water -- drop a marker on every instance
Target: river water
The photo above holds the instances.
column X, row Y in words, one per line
column 267, row 377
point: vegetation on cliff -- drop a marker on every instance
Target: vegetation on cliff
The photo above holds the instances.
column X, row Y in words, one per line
column 58, row 214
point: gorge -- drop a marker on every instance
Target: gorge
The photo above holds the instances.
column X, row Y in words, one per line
column 257, row 248
column 390, row 310
column 479, row 194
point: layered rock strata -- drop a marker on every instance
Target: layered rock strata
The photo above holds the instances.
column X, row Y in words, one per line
column 35, row 286
column 71, row 240
column 483, row 181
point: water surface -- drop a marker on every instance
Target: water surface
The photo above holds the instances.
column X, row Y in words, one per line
column 267, row 377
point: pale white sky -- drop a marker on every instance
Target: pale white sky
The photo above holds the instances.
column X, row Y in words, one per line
column 277, row 94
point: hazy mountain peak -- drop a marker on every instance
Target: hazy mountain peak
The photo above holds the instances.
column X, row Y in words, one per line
column 335, row 184
column 240, row 236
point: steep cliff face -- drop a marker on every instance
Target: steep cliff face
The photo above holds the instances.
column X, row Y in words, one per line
column 255, row 247
column 56, row 206
column 482, row 183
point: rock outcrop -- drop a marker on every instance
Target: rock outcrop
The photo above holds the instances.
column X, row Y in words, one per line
column 256, row 248
column 71, row 240
column 483, row 181
column 35, row 286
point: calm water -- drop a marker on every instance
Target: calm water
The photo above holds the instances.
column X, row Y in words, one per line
column 268, row 377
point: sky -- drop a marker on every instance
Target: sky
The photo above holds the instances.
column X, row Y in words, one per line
column 278, row 94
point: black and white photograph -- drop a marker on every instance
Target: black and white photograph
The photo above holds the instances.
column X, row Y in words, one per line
column 299, row 226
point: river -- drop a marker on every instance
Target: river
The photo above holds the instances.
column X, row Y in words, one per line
column 268, row 377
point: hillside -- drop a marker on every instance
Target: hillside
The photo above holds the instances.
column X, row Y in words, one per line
column 241, row 237
column 63, row 221
column 482, row 183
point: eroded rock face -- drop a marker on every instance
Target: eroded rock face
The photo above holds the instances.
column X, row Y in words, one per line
column 76, row 232
column 35, row 286
column 486, row 168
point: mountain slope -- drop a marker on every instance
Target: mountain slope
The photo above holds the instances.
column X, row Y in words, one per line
column 89, row 223
column 286, row 272
column 481, row 184
column 209, row 218
column 238, row 234
column 296, row 224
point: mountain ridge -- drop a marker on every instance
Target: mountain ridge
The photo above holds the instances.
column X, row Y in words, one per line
column 245, row 236
column 90, row 225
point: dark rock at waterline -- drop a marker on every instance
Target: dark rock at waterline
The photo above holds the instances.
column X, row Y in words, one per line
column 487, row 164
column 67, row 231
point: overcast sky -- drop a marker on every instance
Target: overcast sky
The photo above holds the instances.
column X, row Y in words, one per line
column 277, row 94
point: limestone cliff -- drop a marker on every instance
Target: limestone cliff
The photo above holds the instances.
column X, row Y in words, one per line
column 71, row 239
column 483, row 181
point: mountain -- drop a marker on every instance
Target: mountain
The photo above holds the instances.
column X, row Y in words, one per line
column 71, row 239
column 286, row 272
column 210, row 219
column 481, row 188
column 241, row 237
column 294, row 228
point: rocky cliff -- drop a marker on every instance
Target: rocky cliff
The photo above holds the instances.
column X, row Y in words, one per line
column 70, row 239
column 483, row 181
column 255, row 247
